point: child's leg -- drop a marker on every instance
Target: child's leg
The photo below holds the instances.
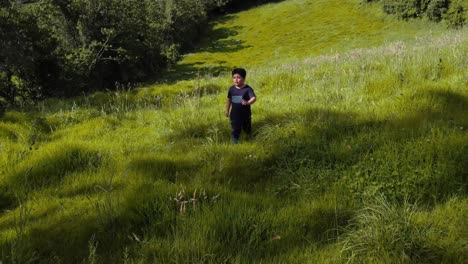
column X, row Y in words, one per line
column 247, row 124
column 236, row 125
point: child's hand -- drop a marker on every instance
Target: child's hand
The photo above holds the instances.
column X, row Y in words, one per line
column 245, row 102
column 226, row 114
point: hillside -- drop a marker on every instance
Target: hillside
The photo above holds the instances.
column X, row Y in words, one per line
column 358, row 154
column 273, row 33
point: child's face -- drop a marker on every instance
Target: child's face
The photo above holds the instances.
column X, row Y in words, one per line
column 238, row 80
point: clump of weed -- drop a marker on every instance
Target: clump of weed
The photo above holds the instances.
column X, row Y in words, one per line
column 389, row 233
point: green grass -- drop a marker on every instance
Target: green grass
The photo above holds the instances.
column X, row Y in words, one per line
column 295, row 29
column 149, row 175
column 388, row 233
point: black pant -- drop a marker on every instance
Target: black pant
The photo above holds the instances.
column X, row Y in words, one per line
column 241, row 122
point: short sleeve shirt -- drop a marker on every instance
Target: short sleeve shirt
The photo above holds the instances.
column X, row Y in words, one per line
column 236, row 95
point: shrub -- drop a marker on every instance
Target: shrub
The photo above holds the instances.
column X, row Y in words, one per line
column 437, row 9
column 457, row 13
column 403, row 8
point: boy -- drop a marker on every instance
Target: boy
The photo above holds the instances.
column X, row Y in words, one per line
column 240, row 97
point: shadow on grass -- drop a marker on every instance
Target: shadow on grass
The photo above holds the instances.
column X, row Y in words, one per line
column 446, row 107
column 317, row 227
column 240, row 5
column 99, row 228
column 217, row 40
column 59, row 240
column 46, row 169
column 90, row 189
column 7, row 200
column 7, row 133
column 53, row 166
column 220, row 39
column 355, row 149
column 326, row 140
column 160, row 168
column 194, row 71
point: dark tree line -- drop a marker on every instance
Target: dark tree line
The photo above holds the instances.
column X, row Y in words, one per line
column 70, row 47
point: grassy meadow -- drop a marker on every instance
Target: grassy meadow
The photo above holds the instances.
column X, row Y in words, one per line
column 359, row 152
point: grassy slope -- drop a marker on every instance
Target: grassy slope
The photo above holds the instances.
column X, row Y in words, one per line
column 150, row 175
column 297, row 29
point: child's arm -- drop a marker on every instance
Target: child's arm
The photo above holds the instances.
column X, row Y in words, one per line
column 250, row 101
column 228, row 107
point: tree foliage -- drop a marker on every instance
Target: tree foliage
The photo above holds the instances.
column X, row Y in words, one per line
column 70, row 47
column 455, row 12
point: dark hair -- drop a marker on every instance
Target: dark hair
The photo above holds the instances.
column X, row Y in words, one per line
column 240, row 71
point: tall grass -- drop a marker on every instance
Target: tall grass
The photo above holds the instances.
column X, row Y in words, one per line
column 396, row 233
column 149, row 175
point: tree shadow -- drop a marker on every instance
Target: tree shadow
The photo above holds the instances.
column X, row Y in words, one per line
column 51, row 169
column 8, row 134
column 288, row 150
column 346, row 142
column 47, row 169
column 331, row 145
column 91, row 189
column 325, row 141
column 446, row 107
column 191, row 71
column 7, row 200
column 213, row 40
column 220, row 39
column 318, row 227
column 161, row 168
column 240, row 5
column 59, row 239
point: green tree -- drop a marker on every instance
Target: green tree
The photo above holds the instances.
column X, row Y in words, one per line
column 23, row 55
column 437, row 9
column 457, row 13
column 67, row 47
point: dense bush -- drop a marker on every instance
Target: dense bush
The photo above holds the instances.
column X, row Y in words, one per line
column 457, row 13
column 436, row 9
column 454, row 12
column 23, row 54
column 404, row 8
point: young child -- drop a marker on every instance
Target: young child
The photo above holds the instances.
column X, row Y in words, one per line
column 240, row 97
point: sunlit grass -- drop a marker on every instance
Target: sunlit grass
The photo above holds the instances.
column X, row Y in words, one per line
column 149, row 175
column 273, row 33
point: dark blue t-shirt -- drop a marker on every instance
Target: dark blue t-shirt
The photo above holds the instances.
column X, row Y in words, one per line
column 236, row 95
